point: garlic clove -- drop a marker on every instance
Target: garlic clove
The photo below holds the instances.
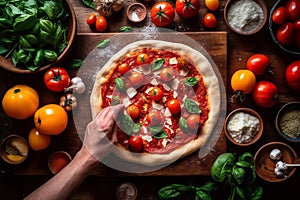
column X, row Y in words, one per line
column 76, row 80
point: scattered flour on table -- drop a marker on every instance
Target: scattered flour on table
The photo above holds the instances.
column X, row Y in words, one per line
column 245, row 15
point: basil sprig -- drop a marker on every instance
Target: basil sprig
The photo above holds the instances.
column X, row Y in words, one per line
column 120, row 85
column 158, row 132
column 191, row 81
column 127, row 124
column 192, row 107
column 158, row 63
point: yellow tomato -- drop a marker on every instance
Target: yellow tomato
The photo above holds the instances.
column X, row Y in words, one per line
column 37, row 140
column 212, row 4
column 51, row 119
column 20, row 102
column 243, row 80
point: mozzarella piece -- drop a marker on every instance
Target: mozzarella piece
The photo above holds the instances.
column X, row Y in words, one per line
column 169, row 121
column 173, row 61
column 175, row 83
column 147, row 138
column 184, row 72
column 154, row 82
column 126, row 102
column 164, row 142
column 136, row 70
column 166, row 87
column 167, row 112
column 131, row 92
column 157, row 106
column 148, row 90
column 175, row 94
column 164, row 99
column 156, row 72
column 144, row 129
column 109, row 96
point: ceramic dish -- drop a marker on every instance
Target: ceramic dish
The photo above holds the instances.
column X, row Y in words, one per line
column 265, row 166
column 58, row 160
column 243, row 121
column 136, row 12
column 7, row 63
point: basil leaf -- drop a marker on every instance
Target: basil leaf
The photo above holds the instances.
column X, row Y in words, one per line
column 136, row 128
column 115, row 100
column 191, row 81
column 127, row 124
column 191, row 106
column 158, row 132
column 103, row 43
column 75, row 64
column 125, row 29
column 89, row 3
column 158, row 63
column 24, row 22
column 183, row 123
column 120, row 85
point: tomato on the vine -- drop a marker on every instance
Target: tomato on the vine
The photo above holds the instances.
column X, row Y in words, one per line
column 91, row 19
column 162, row 13
column 210, row 20
column 280, row 15
column 193, row 121
column 174, row 106
column 187, row 8
column 135, row 143
column 133, row 111
column 258, row 63
column 156, row 94
column 212, row 4
column 101, row 23
column 265, row 94
column 292, row 75
column 57, row 79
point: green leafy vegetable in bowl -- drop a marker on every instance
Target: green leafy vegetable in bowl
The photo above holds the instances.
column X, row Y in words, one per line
column 33, row 32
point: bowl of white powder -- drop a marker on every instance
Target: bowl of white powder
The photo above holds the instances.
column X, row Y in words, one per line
column 243, row 126
column 245, row 17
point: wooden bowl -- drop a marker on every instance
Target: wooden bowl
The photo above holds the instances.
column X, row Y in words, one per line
column 288, row 107
column 58, row 160
column 248, row 111
column 136, row 12
column 291, row 49
column 7, row 63
column 265, row 166
column 230, row 25
column 10, row 152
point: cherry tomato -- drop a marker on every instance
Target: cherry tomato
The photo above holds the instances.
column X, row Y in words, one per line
column 123, row 68
column 154, row 118
column 212, row 4
column 101, row 24
column 156, row 94
column 142, row 59
column 56, row 79
column 286, row 34
column 167, row 74
column 174, row 106
column 258, row 63
column 135, row 143
column 210, row 20
column 162, row 13
column 292, row 75
column 280, row 15
column 297, row 24
column 193, row 121
column 136, row 78
column 243, row 80
column 265, row 94
column 91, row 19
column 133, row 111
column 38, row 141
column 293, row 8
column 187, row 8
column 298, row 38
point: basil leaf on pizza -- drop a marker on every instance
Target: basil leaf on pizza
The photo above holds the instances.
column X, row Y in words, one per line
column 172, row 100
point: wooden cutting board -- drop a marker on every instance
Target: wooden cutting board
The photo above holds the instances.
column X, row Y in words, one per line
column 215, row 43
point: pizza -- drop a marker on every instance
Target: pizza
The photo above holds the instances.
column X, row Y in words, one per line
column 171, row 96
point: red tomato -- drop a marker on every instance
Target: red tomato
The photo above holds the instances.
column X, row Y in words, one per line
column 154, row 118
column 286, row 34
column 193, row 121
column 135, row 143
column 258, row 63
column 133, row 111
column 280, row 15
column 101, row 24
column 210, row 21
column 265, row 94
column 162, row 13
column 187, row 8
column 298, row 38
column 292, row 75
column 156, row 94
column 56, row 79
column 293, row 8
column 123, row 68
column 297, row 24
column 174, row 106
column 166, row 74
column 142, row 59
column 91, row 19
column 136, row 78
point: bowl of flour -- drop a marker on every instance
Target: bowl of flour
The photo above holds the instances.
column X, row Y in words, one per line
column 245, row 17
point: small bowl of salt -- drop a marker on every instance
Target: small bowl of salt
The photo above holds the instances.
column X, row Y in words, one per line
column 243, row 126
column 245, row 17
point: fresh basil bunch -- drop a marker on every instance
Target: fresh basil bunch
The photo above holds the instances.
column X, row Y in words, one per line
column 33, row 32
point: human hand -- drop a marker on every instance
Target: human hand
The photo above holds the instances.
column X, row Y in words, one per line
column 101, row 133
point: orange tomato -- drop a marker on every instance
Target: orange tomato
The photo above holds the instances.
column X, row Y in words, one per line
column 243, row 80
column 142, row 59
column 136, row 78
column 51, row 119
column 20, row 102
column 37, row 140
column 133, row 111
column 167, row 74
column 212, row 4
column 123, row 68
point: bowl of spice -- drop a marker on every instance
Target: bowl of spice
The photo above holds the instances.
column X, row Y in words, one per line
column 243, row 126
column 245, row 17
column 136, row 12
column 58, row 160
column 287, row 121
column 271, row 161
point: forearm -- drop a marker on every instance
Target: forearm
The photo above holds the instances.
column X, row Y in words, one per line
column 68, row 179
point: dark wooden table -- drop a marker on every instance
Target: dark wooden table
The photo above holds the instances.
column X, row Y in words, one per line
column 17, row 181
